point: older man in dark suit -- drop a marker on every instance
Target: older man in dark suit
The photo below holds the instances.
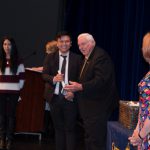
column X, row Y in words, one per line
column 97, row 94
column 59, row 68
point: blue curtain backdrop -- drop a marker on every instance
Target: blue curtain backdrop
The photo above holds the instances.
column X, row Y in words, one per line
column 118, row 26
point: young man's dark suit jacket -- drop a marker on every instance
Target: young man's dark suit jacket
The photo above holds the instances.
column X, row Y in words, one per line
column 51, row 67
column 98, row 98
column 64, row 112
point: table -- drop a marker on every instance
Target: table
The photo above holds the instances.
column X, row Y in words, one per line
column 118, row 134
column 30, row 110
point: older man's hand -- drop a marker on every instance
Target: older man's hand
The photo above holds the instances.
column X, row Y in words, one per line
column 73, row 87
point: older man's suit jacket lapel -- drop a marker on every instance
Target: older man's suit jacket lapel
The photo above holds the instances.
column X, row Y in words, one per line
column 87, row 65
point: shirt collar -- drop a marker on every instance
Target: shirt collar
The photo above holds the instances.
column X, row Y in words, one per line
column 64, row 54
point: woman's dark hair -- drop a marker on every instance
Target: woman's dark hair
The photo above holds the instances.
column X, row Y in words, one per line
column 13, row 56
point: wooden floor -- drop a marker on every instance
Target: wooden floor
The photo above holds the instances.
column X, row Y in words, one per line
column 29, row 142
column 32, row 142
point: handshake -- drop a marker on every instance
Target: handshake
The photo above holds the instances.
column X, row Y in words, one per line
column 73, row 87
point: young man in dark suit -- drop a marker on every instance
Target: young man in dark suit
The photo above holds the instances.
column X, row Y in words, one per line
column 60, row 67
column 97, row 94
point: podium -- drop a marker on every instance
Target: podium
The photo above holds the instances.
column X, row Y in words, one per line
column 30, row 110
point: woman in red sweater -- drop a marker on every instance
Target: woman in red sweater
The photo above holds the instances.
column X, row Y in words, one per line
column 11, row 82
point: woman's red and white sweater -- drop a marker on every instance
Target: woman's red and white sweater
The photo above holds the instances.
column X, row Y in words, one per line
column 10, row 83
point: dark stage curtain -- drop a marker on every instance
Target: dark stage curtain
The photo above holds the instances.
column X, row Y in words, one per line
column 118, row 26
